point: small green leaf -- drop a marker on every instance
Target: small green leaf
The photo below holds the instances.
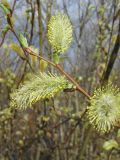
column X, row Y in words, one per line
column 23, row 41
column 5, row 9
column 5, row 30
column 108, row 145
column 56, row 58
column 91, row 7
column 5, row 3
column 43, row 65
column 16, row 48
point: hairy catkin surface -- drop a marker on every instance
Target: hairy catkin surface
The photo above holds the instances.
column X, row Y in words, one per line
column 40, row 87
column 104, row 111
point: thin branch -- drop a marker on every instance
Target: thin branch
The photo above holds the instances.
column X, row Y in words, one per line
column 3, row 39
column 22, row 48
column 57, row 66
column 111, row 32
column 72, row 80
column 13, row 7
column 31, row 52
column 112, row 57
column 40, row 25
column 32, row 21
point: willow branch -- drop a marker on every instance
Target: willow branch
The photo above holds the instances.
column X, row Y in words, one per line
column 12, row 30
column 31, row 52
column 13, row 7
column 78, row 87
column 57, row 66
column 113, row 57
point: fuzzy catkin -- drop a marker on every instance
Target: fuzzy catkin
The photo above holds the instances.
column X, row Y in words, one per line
column 104, row 111
column 40, row 87
column 59, row 33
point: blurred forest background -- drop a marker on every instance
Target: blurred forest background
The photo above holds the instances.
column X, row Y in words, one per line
column 53, row 130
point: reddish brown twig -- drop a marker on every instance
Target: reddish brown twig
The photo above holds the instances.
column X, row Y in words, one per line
column 57, row 66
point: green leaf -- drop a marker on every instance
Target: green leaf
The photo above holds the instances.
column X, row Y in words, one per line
column 15, row 47
column 108, row 145
column 23, row 41
column 5, row 3
column 43, row 65
column 56, row 58
column 101, row 10
column 91, row 7
column 5, row 30
column 5, row 9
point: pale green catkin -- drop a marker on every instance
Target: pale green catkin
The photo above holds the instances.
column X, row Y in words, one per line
column 43, row 86
column 60, row 33
column 104, row 111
